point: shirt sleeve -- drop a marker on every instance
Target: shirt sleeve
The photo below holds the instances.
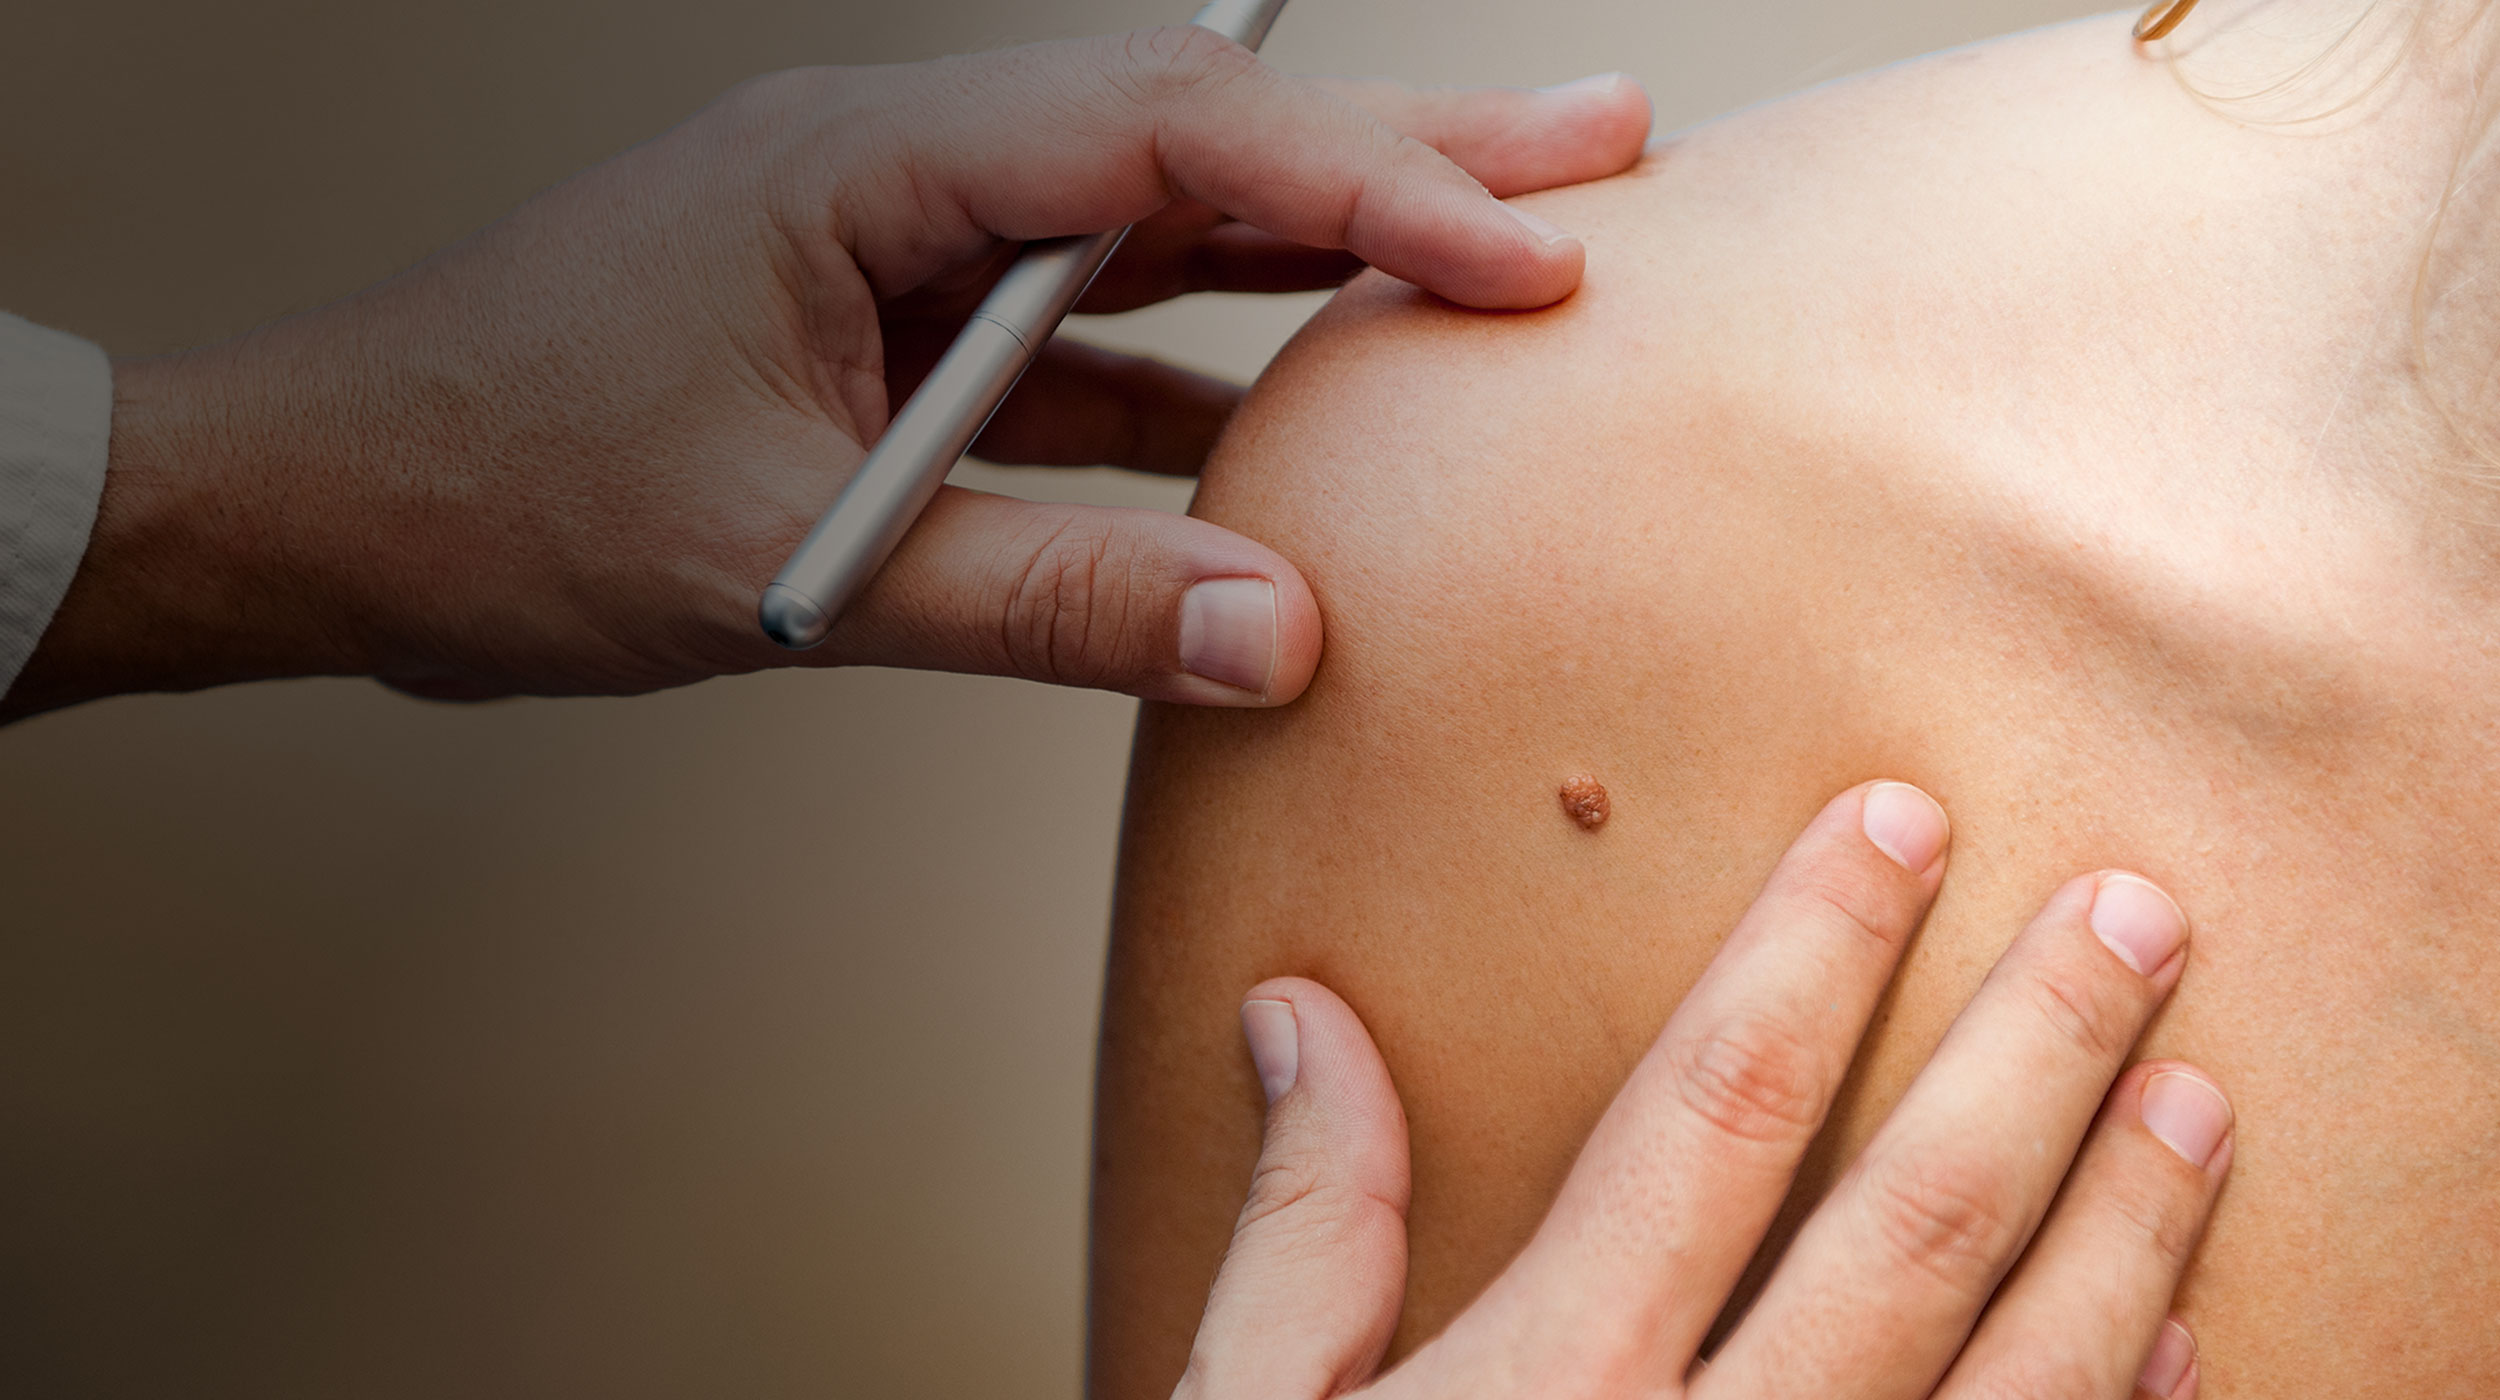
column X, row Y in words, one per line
column 56, row 416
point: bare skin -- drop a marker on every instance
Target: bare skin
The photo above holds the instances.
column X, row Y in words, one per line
column 1614, row 1297
column 2013, row 423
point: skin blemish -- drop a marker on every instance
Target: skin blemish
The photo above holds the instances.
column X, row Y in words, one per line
column 1584, row 801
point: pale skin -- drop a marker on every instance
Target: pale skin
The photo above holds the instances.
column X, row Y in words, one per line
column 1893, row 1288
column 2014, row 423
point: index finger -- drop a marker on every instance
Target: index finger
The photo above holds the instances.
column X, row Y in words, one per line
column 1092, row 134
column 1887, row 1277
column 1685, row 1172
column 1511, row 140
column 1515, row 140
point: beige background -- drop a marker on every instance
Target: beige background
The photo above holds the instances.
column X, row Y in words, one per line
column 355, row 1046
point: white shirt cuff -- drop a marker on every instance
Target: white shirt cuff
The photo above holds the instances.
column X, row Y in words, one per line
column 56, row 418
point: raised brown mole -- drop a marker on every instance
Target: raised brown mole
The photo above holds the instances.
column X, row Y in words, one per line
column 1584, row 800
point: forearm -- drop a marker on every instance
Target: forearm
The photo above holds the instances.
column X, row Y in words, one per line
column 188, row 580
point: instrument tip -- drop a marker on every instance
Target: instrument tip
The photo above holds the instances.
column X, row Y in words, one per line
column 790, row 619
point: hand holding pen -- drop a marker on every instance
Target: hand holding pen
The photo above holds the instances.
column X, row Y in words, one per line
column 621, row 406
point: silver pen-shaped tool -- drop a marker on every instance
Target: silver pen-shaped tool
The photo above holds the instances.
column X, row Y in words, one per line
column 952, row 405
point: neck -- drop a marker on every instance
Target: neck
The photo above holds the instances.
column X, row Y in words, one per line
column 2362, row 131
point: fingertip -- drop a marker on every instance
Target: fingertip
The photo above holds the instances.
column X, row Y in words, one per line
column 1527, row 267
column 1228, row 636
column 2143, row 1070
column 2138, row 921
column 2183, row 1107
column 1636, row 113
column 2170, row 1368
column 1631, row 98
column 1906, row 825
column 1307, row 1296
column 1610, row 114
column 1318, row 1014
column 1615, row 90
column 1286, row 989
column 2067, row 907
column 1145, row 602
column 1545, row 232
column 1245, row 641
column 1335, row 1062
column 1553, row 267
column 1494, row 255
column 1594, row 85
column 1298, row 638
column 1274, row 1036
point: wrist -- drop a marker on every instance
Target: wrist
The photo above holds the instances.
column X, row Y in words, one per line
column 185, row 582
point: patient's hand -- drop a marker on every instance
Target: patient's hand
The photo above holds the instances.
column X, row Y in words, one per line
column 1898, row 1286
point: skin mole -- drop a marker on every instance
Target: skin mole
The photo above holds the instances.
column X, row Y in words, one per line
column 1584, row 801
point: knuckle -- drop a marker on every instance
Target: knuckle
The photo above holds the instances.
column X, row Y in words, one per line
column 1385, row 99
column 1408, row 149
column 769, row 110
column 1753, row 1079
column 1952, row 1220
column 1834, row 898
column 768, row 99
column 1176, row 60
column 1406, row 164
column 1067, row 605
column 2158, row 1218
column 1279, row 1185
column 2084, row 1012
column 1297, row 1190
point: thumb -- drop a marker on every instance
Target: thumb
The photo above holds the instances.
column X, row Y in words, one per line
column 1310, row 1289
column 1142, row 601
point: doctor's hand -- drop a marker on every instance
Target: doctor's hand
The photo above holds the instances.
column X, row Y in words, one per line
column 2017, row 1227
column 566, row 454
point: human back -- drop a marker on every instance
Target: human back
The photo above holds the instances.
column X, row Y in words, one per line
column 2014, row 423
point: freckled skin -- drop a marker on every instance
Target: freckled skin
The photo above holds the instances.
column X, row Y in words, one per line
column 1584, row 800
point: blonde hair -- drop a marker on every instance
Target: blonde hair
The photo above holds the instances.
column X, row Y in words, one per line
column 2375, row 45
column 2343, row 50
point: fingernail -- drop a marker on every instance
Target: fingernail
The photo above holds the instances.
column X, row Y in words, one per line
column 2188, row 1114
column 1228, row 632
column 1595, row 82
column 1905, row 824
column 2174, row 1351
column 2138, row 922
column 1546, row 233
column 1275, row 1044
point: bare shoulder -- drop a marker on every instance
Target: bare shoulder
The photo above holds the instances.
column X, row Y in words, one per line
column 1965, row 423
column 2031, row 295
column 1796, row 322
column 1840, row 269
column 1585, row 547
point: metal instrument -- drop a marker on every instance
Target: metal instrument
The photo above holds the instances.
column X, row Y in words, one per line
column 854, row 538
